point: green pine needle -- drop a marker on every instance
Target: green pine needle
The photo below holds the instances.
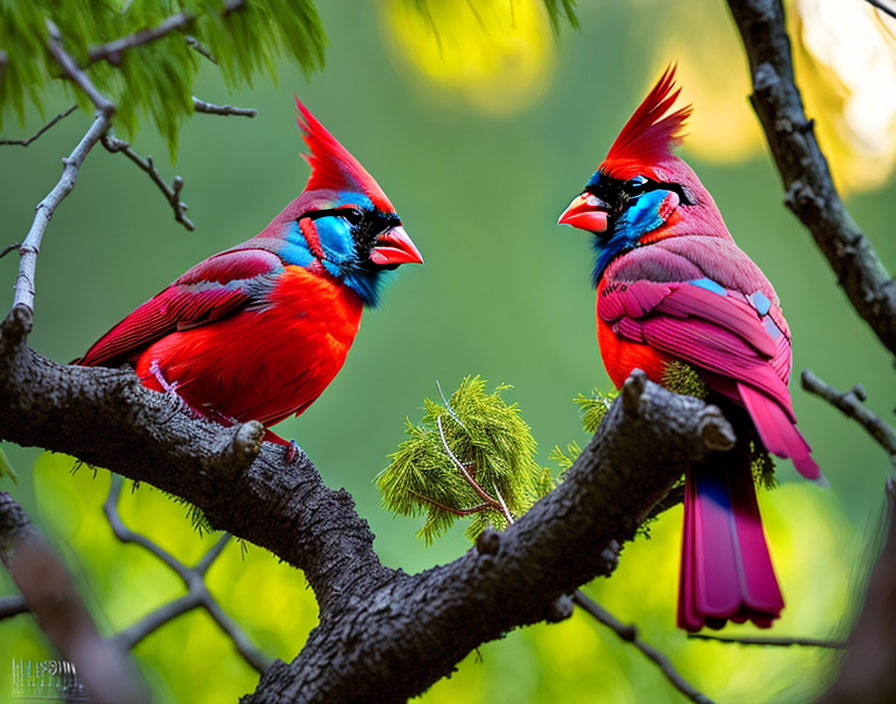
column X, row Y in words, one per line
column 493, row 442
column 593, row 408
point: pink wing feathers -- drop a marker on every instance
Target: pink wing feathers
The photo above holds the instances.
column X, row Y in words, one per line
column 743, row 341
column 213, row 289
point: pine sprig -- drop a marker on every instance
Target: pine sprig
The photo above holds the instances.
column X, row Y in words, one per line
column 155, row 78
column 593, row 408
column 473, row 457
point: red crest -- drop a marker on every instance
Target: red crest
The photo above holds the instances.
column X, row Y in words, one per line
column 650, row 134
column 332, row 167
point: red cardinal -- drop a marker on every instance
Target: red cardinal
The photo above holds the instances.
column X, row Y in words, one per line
column 259, row 331
column 672, row 286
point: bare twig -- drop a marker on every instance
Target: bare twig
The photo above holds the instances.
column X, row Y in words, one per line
column 851, row 404
column 28, row 250
column 212, row 109
column 200, row 48
column 197, row 592
column 9, row 248
column 79, row 77
column 781, row 641
column 111, row 51
column 456, row 511
column 629, row 633
column 26, row 142
column 883, row 7
column 810, row 191
column 172, row 193
column 12, row 605
column 107, row 675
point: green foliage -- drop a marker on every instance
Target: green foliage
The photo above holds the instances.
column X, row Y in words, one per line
column 157, row 78
column 565, row 458
column 6, row 468
column 495, row 446
column 558, row 10
column 763, row 465
column 593, row 408
column 682, row 378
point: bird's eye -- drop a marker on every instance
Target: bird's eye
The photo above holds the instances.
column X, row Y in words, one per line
column 353, row 215
column 636, row 185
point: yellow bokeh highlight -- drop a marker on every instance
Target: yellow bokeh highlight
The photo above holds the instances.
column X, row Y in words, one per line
column 723, row 127
column 844, row 56
column 495, row 55
column 845, row 61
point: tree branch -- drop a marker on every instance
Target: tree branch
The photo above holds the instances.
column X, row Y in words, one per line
column 383, row 635
column 869, row 669
column 630, row 635
column 79, row 77
column 197, row 591
column 783, row 642
column 30, row 247
column 12, row 605
column 810, row 191
column 212, row 109
column 851, row 405
column 172, row 193
column 883, row 7
column 26, row 142
column 111, row 51
column 43, row 580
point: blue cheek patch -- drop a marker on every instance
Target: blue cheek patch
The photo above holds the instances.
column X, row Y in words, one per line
column 335, row 238
column 709, row 285
column 294, row 249
column 643, row 215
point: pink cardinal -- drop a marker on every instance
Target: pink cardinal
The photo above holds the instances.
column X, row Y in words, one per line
column 259, row 331
column 672, row 286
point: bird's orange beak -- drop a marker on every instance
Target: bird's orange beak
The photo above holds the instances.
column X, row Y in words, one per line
column 586, row 212
column 394, row 247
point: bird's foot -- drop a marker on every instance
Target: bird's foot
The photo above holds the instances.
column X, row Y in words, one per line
column 156, row 371
column 292, row 447
column 171, row 388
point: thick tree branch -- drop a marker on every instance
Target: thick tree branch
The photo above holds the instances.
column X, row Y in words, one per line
column 851, row 404
column 172, row 193
column 383, row 635
column 48, row 591
column 29, row 140
column 810, row 191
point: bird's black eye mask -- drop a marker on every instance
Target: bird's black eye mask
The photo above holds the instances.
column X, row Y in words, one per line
column 617, row 192
column 366, row 224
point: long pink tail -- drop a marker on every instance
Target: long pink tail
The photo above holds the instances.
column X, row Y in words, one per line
column 726, row 570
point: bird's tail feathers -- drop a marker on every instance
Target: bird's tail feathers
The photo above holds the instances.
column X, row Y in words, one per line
column 726, row 569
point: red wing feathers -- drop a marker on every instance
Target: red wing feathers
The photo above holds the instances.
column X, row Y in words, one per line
column 214, row 288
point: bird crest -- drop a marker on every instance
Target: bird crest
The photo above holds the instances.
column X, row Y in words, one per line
column 650, row 134
column 332, row 166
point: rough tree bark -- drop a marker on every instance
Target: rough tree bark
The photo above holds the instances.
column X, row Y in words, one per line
column 384, row 635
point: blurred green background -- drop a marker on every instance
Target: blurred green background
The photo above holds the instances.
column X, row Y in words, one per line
column 480, row 137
